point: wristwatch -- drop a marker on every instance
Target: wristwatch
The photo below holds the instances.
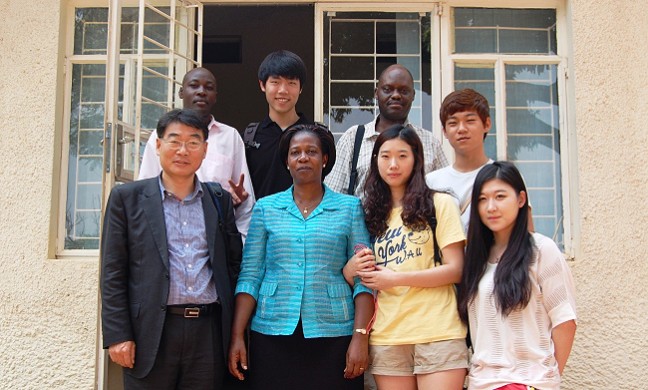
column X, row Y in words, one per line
column 361, row 330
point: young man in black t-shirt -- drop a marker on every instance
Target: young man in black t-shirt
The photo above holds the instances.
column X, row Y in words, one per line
column 281, row 77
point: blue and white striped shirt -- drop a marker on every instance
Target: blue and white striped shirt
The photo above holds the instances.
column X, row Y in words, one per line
column 189, row 267
column 292, row 266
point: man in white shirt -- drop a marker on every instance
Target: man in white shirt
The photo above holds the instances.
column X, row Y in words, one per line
column 465, row 118
column 466, row 121
column 225, row 159
column 395, row 94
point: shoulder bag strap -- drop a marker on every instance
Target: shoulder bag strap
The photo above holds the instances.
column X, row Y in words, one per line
column 354, row 164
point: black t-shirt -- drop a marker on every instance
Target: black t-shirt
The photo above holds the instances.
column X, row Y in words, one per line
column 267, row 170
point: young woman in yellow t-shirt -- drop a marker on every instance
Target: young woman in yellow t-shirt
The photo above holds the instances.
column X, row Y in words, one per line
column 417, row 340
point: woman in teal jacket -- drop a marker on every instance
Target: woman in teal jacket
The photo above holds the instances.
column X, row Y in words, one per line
column 308, row 326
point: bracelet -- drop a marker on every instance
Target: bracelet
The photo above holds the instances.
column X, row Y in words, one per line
column 361, row 330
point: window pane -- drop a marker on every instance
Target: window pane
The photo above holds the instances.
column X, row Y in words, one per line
column 352, row 94
column 352, row 37
column 412, row 63
column 507, row 31
column 530, row 148
column 535, row 121
column 159, row 33
column 359, row 46
column 481, row 78
column 156, row 27
column 469, row 40
column 343, row 118
column 533, row 141
column 90, row 142
column 92, row 116
column 155, row 87
column 352, row 68
column 91, row 30
column 151, row 113
column 85, row 157
column 89, row 197
column 87, row 226
column 398, row 37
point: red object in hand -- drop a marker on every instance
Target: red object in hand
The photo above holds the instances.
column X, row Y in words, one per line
column 359, row 247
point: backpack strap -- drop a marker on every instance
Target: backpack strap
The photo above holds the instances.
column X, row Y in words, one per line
column 216, row 193
column 354, row 164
column 248, row 135
column 432, row 221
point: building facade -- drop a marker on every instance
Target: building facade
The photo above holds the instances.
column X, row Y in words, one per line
column 565, row 78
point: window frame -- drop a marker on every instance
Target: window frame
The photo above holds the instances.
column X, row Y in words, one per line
column 565, row 90
column 70, row 60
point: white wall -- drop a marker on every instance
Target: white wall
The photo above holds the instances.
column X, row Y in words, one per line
column 48, row 306
column 610, row 62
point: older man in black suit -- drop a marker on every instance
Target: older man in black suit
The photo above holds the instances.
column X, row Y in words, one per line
column 169, row 264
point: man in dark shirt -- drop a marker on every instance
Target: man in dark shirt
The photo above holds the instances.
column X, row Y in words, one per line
column 281, row 78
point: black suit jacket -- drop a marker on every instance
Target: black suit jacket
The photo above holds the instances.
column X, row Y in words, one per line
column 135, row 267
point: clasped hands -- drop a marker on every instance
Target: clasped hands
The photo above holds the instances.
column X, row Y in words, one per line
column 373, row 276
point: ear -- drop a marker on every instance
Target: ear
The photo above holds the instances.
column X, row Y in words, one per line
column 487, row 125
column 262, row 85
column 181, row 93
column 522, row 197
column 324, row 160
column 158, row 144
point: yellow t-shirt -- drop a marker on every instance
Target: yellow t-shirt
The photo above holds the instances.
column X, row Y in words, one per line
column 415, row 315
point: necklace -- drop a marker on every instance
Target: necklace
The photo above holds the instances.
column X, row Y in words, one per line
column 494, row 258
column 306, row 207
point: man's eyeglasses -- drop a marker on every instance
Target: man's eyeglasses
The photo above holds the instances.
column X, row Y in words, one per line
column 191, row 146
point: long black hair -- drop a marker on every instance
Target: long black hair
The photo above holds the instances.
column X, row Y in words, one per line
column 512, row 285
column 418, row 205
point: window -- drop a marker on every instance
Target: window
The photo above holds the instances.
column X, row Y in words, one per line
column 84, row 173
column 510, row 56
column 515, row 56
column 358, row 47
column 83, row 168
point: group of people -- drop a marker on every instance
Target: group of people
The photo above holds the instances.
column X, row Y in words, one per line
column 278, row 260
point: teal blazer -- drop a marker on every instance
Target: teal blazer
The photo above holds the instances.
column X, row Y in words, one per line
column 292, row 266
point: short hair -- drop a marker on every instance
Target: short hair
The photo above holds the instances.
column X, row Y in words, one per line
column 185, row 78
column 185, row 116
column 327, row 142
column 283, row 63
column 464, row 100
column 395, row 66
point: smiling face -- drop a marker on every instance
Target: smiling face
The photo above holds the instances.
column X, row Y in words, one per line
column 198, row 91
column 499, row 206
column 181, row 163
column 305, row 159
column 281, row 94
column 395, row 93
column 395, row 163
column 465, row 131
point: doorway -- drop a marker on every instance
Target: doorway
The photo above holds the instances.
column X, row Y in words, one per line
column 235, row 41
